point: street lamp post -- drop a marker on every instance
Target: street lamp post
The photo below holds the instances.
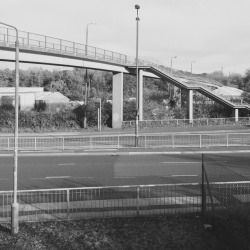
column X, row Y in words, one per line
column 87, row 37
column 172, row 64
column 137, row 7
column 15, row 205
column 192, row 67
column 86, row 83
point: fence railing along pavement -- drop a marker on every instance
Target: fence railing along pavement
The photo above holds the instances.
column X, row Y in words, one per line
column 122, row 201
column 67, row 204
column 126, row 141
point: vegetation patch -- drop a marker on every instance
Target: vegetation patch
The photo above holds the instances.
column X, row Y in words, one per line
column 140, row 233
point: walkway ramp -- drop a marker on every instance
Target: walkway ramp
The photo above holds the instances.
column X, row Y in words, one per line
column 180, row 84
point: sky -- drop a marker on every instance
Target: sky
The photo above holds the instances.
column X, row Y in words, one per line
column 213, row 34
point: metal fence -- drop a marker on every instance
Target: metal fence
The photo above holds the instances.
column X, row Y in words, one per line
column 225, row 189
column 126, row 141
column 187, row 123
column 115, row 201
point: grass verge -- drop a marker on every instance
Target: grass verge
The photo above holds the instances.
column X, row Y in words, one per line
column 140, row 233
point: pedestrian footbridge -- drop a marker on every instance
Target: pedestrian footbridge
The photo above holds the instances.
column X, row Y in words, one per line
column 41, row 49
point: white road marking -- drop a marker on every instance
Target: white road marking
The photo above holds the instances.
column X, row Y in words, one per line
column 82, row 177
column 66, row 164
column 181, row 162
column 128, row 177
column 54, row 177
column 184, row 175
column 57, row 177
column 188, row 162
column 101, row 149
column 36, row 178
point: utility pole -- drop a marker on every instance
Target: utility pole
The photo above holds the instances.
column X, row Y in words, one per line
column 137, row 7
column 86, row 82
column 15, row 205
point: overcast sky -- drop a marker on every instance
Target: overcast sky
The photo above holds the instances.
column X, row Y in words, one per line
column 213, row 33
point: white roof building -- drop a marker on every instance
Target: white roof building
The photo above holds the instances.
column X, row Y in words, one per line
column 52, row 97
column 29, row 95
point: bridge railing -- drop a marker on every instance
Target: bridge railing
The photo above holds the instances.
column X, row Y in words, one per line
column 39, row 42
column 51, row 44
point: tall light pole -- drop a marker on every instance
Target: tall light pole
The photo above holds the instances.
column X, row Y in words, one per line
column 15, row 205
column 172, row 64
column 192, row 66
column 87, row 37
column 86, row 83
column 137, row 7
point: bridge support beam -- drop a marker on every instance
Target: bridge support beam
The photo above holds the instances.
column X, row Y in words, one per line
column 117, row 100
column 236, row 114
column 140, row 95
column 190, row 105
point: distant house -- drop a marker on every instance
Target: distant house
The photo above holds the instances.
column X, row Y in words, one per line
column 52, row 97
column 28, row 96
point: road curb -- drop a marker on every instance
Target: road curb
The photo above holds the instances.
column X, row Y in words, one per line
column 114, row 153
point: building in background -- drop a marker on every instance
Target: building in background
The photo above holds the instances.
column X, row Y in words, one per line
column 29, row 96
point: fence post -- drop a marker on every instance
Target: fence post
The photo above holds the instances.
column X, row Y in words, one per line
column 7, row 31
column 28, row 39
column 118, row 141
column 145, row 141
column 68, row 205
column 35, row 144
column 200, row 141
column 137, row 201
column 8, row 144
column 173, row 140
column 227, row 140
column 63, row 146
column 90, row 142
column 203, row 190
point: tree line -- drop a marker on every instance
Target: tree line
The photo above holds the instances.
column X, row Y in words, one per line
column 159, row 100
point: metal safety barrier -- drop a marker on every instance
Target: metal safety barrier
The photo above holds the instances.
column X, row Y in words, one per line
column 188, row 123
column 126, row 141
column 93, row 202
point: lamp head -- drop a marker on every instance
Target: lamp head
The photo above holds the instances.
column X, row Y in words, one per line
column 137, row 6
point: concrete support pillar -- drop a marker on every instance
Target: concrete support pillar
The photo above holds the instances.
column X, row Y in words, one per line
column 117, row 100
column 190, row 105
column 236, row 114
column 140, row 95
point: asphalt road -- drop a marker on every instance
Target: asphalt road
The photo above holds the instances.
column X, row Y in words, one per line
column 47, row 172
